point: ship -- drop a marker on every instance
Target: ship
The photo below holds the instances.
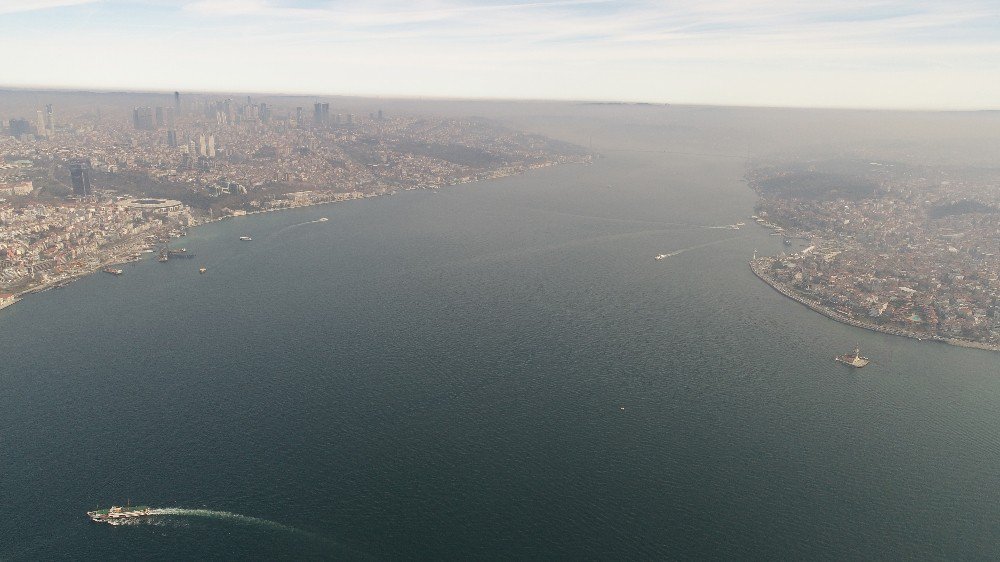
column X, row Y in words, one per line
column 180, row 253
column 660, row 257
column 324, row 219
column 115, row 515
column 856, row 360
column 202, row 270
column 112, row 271
column 245, row 238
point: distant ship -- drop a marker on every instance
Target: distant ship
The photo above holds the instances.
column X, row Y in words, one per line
column 180, row 253
column 112, row 271
column 660, row 257
column 855, row 360
column 324, row 219
column 245, row 238
column 202, row 270
column 115, row 515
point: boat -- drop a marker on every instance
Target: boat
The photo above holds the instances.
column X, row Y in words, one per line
column 324, row 219
column 162, row 258
column 856, row 360
column 660, row 257
column 113, row 271
column 245, row 238
column 202, row 270
column 116, row 515
column 180, row 253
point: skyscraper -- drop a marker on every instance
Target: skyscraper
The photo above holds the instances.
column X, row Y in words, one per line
column 202, row 147
column 172, row 138
column 142, row 118
column 19, row 127
column 159, row 117
column 177, row 102
column 321, row 113
column 40, row 124
column 50, row 119
column 79, row 173
column 211, row 146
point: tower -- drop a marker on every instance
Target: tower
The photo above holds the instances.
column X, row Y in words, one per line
column 79, row 173
column 40, row 124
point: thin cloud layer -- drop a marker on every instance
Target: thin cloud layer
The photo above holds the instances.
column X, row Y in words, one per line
column 772, row 52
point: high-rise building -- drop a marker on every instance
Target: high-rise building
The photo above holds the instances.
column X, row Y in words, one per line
column 177, row 102
column 172, row 138
column 321, row 113
column 50, row 119
column 168, row 117
column 211, row 146
column 298, row 117
column 40, row 124
column 79, row 173
column 350, row 118
column 142, row 118
column 159, row 117
column 380, row 115
column 19, row 127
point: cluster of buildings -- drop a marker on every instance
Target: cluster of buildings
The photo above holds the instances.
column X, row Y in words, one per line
column 920, row 257
column 211, row 148
column 73, row 190
column 42, row 243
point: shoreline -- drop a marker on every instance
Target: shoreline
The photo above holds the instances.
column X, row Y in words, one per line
column 18, row 296
column 839, row 317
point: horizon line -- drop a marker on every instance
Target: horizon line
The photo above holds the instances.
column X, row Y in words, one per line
column 440, row 98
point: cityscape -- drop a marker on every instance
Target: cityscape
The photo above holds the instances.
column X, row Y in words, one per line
column 903, row 249
column 499, row 280
column 81, row 190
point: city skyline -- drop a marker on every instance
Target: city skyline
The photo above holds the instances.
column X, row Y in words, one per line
column 897, row 55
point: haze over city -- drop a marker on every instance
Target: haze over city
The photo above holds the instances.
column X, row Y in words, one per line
column 889, row 54
column 457, row 280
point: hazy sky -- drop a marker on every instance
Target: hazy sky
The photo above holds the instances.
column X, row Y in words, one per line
column 845, row 53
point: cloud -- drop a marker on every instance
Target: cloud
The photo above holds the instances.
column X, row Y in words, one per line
column 15, row 6
column 657, row 50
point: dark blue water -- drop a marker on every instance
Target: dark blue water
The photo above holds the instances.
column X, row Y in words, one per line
column 498, row 370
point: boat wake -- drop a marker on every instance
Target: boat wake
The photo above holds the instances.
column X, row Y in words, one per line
column 682, row 250
column 228, row 516
column 291, row 226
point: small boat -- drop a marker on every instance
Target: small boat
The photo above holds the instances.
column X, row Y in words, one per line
column 245, row 238
column 202, row 270
column 324, row 219
column 660, row 257
column 113, row 271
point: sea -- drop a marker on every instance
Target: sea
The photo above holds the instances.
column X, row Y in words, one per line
column 496, row 370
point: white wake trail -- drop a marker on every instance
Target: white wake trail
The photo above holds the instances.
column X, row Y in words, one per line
column 229, row 516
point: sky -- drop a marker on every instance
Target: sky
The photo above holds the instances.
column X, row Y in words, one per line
column 846, row 53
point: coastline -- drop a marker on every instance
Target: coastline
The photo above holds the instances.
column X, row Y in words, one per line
column 116, row 259
column 839, row 317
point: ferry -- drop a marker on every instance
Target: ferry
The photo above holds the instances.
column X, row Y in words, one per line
column 856, row 360
column 115, row 515
column 245, row 238
column 113, row 271
column 324, row 219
